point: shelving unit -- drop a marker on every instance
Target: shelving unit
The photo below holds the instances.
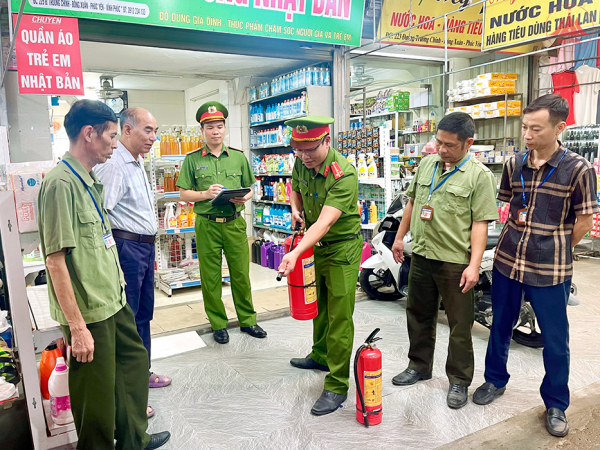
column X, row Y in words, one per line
column 319, row 102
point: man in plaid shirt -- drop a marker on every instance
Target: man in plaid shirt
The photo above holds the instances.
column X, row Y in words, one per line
column 552, row 195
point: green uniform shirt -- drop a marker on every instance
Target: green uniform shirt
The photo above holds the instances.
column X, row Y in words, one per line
column 468, row 196
column 231, row 169
column 69, row 220
column 320, row 190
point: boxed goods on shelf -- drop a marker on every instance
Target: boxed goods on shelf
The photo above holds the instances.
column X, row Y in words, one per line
column 484, row 85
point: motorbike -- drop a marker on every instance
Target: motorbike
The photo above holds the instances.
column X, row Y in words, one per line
column 382, row 278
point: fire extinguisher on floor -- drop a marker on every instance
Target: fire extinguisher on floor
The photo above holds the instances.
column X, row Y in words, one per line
column 367, row 375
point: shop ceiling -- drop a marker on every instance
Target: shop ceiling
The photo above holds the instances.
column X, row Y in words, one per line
column 151, row 68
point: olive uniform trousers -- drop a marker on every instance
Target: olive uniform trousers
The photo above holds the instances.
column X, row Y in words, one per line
column 212, row 239
column 427, row 280
column 333, row 329
column 109, row 395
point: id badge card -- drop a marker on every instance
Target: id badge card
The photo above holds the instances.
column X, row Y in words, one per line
column 427, row 212
column 109, row 240
column 522, row 216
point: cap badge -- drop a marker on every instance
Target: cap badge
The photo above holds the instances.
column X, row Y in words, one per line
column 302, row 129
column 212, row 109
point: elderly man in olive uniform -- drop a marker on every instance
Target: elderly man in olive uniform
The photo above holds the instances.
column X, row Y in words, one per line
column 325, row 188
column 204, row 173
column 452, row 200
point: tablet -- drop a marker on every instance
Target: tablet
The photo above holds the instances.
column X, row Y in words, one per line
column 227, row 194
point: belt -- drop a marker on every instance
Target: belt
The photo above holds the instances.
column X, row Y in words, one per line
column 328, row 243
column 221, row 219
column 147, row 239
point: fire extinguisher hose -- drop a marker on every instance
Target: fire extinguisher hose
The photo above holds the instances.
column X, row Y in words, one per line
column 363, row 408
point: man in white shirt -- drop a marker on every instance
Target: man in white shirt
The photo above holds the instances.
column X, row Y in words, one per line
column 129, row 202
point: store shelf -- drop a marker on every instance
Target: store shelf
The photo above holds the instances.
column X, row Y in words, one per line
column 368, row 226
column 279, row 230
column 265, row 147
column 33, row 266
column 162, row 231
column 402, row 132
column 282, row 95
column 493, row 139
column 377, row 181
column 172, row 158
column 476, row 100
column 168, row 288
column 272, row 174
column 369, row 116
column 270, row 202
column 162, row 195
column 52, row 427
column 277, row 121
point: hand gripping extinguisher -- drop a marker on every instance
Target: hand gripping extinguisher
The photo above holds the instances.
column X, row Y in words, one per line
column 367, row 375
column 302, row 288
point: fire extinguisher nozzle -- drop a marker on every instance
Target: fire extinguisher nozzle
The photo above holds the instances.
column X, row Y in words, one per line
column 279, row 276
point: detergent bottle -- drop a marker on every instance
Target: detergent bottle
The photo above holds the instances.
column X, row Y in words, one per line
column 280, row 191
column 372, row 167
column 373, row 213
column 47, row 364
column 170, row 219
column 58, row 386
column 362, row 167
column 267, row 216
column 351, row 159
column 288, row 190
column 182, row 215
column 191, row 219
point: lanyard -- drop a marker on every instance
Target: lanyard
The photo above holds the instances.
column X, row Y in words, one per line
column 432, row 189
column 539, row 185
column 89, row 192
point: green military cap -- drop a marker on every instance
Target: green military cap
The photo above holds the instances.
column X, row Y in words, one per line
column 211, row 111
column 308, row 130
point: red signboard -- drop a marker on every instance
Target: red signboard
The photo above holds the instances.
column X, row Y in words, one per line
column 48, row 55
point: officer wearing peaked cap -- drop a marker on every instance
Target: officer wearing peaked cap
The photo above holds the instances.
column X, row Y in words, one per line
column 220, row 229
column 325, row 189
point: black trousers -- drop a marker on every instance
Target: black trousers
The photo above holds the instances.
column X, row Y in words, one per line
column 427, row 280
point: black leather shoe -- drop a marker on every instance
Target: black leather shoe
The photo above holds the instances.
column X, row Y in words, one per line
column 221, row 336
column 308, row 363
column 255, row 331
column 157, row 440
column 556, row 422
column 327, row 403
column 487, row 393
column 457, row 396
column 409, row 377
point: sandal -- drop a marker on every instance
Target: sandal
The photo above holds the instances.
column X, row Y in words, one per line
column 150, row 411
column 159, row 381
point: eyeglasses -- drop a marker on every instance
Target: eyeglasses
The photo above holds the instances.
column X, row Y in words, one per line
column 308, row 151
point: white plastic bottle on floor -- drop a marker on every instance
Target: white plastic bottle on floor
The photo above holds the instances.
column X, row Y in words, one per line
column 58, row 386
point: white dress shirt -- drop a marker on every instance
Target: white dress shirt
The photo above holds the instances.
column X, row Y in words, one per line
column 128, row 197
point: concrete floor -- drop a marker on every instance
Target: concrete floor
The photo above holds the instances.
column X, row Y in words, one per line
column 245, row 395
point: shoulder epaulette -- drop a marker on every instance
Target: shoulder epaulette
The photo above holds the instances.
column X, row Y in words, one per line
column 194, row 151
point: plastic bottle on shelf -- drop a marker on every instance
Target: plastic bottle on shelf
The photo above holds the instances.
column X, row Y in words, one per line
column 281, row 191
column 288, row 218
column 303, row 105
column 58, row 387
column 364, row 212
column 373, row 213
column 291, row 159
column 288, row 190
column 49, row 357
column 362, row 167
column 267, row 216
column 168, row 180
column 182, row 215
column 191, row 219
column 175, row 178
column 170, row 221
column 352, row 159
column 371, row 166
column 327, row 77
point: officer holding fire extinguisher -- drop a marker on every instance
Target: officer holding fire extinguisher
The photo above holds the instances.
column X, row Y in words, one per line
column 325, row 189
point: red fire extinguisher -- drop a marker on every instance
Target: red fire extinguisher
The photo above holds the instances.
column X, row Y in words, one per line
column 302, row 286
column 367, row 375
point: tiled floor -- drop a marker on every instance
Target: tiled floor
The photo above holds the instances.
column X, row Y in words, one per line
column 245, row 395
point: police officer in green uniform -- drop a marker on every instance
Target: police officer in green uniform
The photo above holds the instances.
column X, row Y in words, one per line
column 325, row 189
column 204, row 173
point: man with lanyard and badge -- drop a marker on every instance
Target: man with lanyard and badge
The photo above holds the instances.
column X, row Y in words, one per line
column 452, row 201
column 325, row 189
column 552, row 196
column 220, row 229
column 108, row 377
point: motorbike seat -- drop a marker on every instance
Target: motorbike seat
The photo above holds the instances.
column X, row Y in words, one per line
column 492, row 240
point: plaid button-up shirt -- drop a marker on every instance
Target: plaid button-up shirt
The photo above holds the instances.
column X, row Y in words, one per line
column 538, row 253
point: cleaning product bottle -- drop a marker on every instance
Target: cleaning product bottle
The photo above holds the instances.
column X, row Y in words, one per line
column 352, row 159
column 258, row 214
column 364, row 212
column 58, row 386
column 362, row 167
column 288, row 190
column 288, row 218
column 373, row 213
column 267, row 216
column 191, row 215
column 49, row 357
column 170, row 219
column 372, row 167
column 177, row 213
column 291, row 161
column 182, row 217
column 281, row 191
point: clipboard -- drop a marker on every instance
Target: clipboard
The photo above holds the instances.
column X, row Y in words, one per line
column 227, row 194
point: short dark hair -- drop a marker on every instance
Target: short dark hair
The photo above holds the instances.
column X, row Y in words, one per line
column 557, row 107
column 458, row 123
column 88, row 112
